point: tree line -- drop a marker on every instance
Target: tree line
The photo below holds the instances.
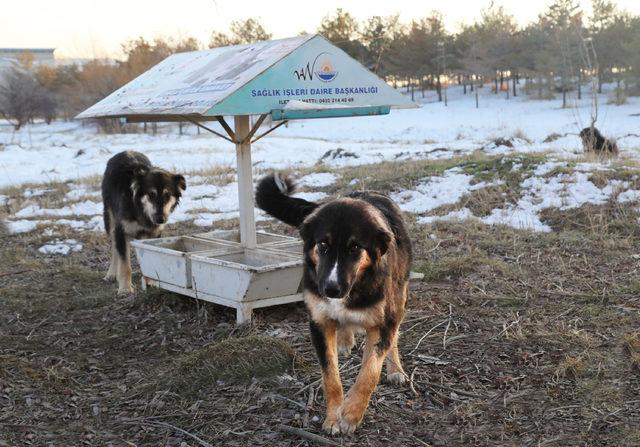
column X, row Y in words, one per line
column 564, row 50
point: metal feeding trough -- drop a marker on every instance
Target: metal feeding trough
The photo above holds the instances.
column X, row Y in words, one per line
column 247, row 275
column 169, row 259
column 263, row 239
column 298, row 78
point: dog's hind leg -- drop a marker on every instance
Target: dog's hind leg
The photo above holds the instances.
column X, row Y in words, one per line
column 346, row 340
column 395, row 373
column 124, row 261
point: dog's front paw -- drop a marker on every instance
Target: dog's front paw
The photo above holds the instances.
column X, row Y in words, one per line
column 125, row 291
column 350, row 418
column 108, row 277
column 397, row 378
column 331, row 425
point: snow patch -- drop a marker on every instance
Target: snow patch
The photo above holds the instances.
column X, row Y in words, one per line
column 546, row 168
column 79, row 191
column 61, row 247
column 311, row 196
column 631, row 195
column 33, row 192
column 461, row 214
column 86, row 208
column 22, row 225
column 438, row 191
column 318, row 180
column 564, row 191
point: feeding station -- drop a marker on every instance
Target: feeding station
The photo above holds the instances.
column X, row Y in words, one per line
column 304, row 77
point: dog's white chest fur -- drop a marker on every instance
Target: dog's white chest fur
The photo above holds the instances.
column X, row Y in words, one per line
column 133, row 228
column 334, row 309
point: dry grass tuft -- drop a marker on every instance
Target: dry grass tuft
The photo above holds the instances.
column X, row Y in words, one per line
column 453, row 267
column 235, row 360
column 599, row 178
column 572, row 367
column 552, row 137
column 601, row 220
column 632, row 347
column 217, row 175
column 519, row 133
column 482, row 201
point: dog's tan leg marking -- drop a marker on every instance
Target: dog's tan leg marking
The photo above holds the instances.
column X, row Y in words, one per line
column 124, row 272
column 346, row 340
column 355, row 403
column 331, row 379
column 113, row 263
column 395, row 373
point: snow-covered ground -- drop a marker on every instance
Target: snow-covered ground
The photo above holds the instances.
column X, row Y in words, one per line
column 537, row 193
column 70, row 151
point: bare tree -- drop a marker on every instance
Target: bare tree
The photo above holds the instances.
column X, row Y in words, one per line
column 22, row 98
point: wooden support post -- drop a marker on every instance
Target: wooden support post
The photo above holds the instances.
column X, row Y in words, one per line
column 245, row 182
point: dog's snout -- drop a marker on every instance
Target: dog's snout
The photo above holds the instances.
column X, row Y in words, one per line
column 161, row 219
column 332, row 290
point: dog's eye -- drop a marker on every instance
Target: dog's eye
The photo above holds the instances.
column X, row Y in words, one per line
column 165, row 196
column 152, row 195
column 355, row 248
column 323, row 248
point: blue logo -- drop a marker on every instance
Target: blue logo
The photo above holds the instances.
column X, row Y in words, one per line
column 324, row 68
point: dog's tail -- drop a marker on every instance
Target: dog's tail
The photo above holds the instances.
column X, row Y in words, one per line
column 273, row 196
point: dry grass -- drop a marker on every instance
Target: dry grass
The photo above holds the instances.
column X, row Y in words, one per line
column 217, row 175
column 519, row 133
column 453, row 267
column 573, row 366
column 233, row 360
column 632, row 347
column 482, row 201
column 514, row 338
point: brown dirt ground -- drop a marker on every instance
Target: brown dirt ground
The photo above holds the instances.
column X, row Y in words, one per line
column 513, row 338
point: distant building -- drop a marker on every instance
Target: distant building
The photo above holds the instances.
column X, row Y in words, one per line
column 41, row 56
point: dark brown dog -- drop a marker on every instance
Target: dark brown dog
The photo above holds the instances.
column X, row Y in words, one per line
column 593, row 141
column 356, row 275
column 138, row 199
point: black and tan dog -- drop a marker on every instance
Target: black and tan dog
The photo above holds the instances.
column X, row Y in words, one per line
column 356, row 275
column 594, row 141
column 138, row 199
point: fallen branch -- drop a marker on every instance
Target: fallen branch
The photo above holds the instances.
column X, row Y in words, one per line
column 425, row 335
column 200, row 441
column 413, row 389
column 306, row 435
column 460, row 392
column 15, row 273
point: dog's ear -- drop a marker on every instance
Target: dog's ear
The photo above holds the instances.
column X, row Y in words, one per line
column 180, row 182
column 138, row 173
column 383, row 239
column 306, row 230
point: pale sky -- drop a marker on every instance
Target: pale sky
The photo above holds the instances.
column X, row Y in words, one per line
column 96, row 28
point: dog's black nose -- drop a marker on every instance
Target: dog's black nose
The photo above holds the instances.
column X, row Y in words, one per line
column 332, row 290
column 160, row 219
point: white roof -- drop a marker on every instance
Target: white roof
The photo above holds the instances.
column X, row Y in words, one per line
column 248, row 79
